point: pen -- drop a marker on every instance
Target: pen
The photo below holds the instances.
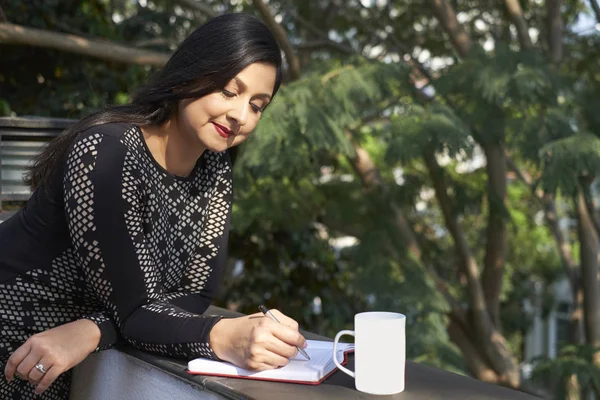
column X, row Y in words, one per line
column 269, row 314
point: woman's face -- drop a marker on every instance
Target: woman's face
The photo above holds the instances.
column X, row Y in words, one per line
column 226, row 118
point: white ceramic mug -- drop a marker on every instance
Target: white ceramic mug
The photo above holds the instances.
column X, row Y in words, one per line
column 379, row 352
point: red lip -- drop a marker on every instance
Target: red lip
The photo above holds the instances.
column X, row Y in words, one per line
column 221, row 130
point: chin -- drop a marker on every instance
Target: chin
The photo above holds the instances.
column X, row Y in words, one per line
column 217, row 147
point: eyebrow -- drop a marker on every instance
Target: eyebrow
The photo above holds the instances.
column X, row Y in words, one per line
column 244, row 87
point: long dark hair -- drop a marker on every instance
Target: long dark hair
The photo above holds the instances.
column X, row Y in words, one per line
column 203, row 63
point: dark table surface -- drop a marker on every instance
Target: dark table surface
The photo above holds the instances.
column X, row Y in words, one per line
column 422, row 382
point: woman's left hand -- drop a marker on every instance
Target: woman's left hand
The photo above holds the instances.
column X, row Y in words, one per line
column 57, row 350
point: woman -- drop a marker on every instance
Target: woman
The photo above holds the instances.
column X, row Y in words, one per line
column 126, row 232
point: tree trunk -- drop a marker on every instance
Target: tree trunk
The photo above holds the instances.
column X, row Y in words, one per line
column 576, row 323
column 487, row 353
column 497, row 233
column 496, row 168
column 469, row 265
column 576, row 330
column 477, row 366
column 589, row 247
column 487, row 339
column 572, row 388
column 489, row 343
column 591, row 210
column 572, row 270
column 16, row 34
column 370, row 177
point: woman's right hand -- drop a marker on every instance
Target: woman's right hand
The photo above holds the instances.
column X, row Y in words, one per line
column 255, row 342
column 57, row 350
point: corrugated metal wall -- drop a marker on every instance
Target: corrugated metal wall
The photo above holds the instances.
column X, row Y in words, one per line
column 20, row 140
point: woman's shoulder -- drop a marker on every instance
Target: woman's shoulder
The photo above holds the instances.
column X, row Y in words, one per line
column 117, row 130
column 111, row 141
column 117, row 135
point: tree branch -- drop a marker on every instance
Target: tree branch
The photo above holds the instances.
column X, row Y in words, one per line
column 565, row 250
column 16, row 34
column 3, row 15
column 152, row 42
column 404, row 51
column 342, row 47
column 418, row 68
column 468, row 263
column 308, row 25
column 546, row 200
column 325, row 43
column 442, row 286
column 555, row 30
column 282, row 38
column 197, row 6
column 596, row 9
column 516, row 13
column 458, row 36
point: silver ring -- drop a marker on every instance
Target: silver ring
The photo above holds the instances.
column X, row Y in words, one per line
column 40, row 368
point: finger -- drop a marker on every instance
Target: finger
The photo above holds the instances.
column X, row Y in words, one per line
column 285, row 320
column 24, row 369
column 15, row 359
column 268, row 360
column 281, row 348
column 288, row 335
column 49, row 377
column 257, row 367
column 34, row 375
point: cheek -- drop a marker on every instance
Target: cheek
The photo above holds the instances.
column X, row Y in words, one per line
column 252, row 123
column 204, row 109
column 214, row 106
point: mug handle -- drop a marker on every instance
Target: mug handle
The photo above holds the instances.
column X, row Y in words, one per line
column 335, row 360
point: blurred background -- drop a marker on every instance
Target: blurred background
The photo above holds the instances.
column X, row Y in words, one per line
column 431, row 157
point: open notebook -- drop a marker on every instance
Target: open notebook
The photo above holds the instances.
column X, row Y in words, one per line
column 299, row 370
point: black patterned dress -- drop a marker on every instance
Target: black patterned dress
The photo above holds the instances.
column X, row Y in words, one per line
column 118, row 240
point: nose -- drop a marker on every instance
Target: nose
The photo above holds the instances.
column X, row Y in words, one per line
column 239, row 113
